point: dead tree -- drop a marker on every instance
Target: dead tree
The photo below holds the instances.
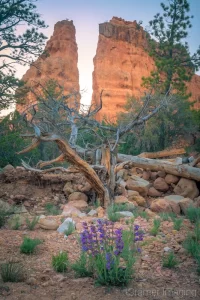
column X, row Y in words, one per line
column 67, row 123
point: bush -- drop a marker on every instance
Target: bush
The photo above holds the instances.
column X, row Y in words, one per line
column 177, row 223
column 193, row 214
column 111, row 252
column 156, row 226
column 169, row 261
column 51, row 209
column 32, row 223
column 82, row 267
column 70, row 229
column 60, row 262
column 16, row 223
column 11, row 272
column 28, row 246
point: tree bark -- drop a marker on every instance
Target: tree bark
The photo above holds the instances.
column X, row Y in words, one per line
column 164, row 153
column 181, row 170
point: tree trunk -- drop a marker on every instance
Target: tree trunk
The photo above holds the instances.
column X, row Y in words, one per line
column 159, row 165
column 163, row 153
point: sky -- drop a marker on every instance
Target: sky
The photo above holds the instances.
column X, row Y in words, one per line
column 88, row 14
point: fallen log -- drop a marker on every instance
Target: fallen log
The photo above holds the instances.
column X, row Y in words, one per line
column 163, row 153
column 181, row 170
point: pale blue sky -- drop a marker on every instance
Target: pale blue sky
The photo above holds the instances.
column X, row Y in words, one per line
column 87, row 14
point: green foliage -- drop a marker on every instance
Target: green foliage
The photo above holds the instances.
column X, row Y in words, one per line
column 170, row 51
column 177, row 223
column 169, row 261
column 82, row 267
column 32, row 223
column 167, row 216
column 20, row 48
column 3, row 215
column 10, row 129
column 70, row 228
column 113, row 210
column 16, row 223
column 51, row 209
column 161, row 131
column 11, row 272
column 28, row 246
column 156, row 227
column 60, row 262
column 142, row 214
column 193, row 214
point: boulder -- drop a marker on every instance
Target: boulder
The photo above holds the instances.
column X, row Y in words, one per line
column 120, row 200
column 146, row 175
column 175, row 198
column 134, row 196
column 161, row 174
column 160, row 205
column 161, row 185
column 150, row 213
column 92, row 213
column 100, row 211
column 86, row 187
column 65, row 225
column 68, row 188
column 79, row 204
column 70, row 211
column 125, row 214
column 185, row 203
column 186, row 188
column 152, row 192
column 154, row 175
column 138, row 184
column 174, row 201
column 169, row 178
column 48, row 224
column 77, row 196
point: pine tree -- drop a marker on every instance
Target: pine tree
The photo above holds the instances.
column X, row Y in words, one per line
column 174, row 63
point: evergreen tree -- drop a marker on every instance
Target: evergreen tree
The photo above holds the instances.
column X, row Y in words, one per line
column 174, row 63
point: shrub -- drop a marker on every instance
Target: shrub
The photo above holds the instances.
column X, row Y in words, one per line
column 167, row 216
column 83, row 266
column 16, row 223
column 156, row 226
column 28, row 246
column 60, row 262
column 11, row 272
column 111, row 251
column 51, row 209
column 70, row 228
column 32, row 223
column 177, row 223
column 169, row 261
column 3, row 215
column 191, row 244
column 193, row 214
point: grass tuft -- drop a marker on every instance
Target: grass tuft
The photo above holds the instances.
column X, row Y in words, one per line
column 51, row 209
column 12, row 272
column 193, row 214
column 156, row 227
column 60, row 262
column 28, row 246
column 169, row 261
column 32, row 223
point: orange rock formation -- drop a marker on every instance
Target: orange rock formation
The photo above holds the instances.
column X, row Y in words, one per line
column 60, row 63
column 119, row 65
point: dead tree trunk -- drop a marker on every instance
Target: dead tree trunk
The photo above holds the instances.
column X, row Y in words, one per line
column 159, row 165
column 163, row 153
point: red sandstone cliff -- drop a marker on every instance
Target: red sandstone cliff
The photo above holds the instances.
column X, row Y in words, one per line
column 119, row 65
column 60, row 63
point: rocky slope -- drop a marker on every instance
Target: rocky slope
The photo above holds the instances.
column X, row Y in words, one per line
column 58, row 62
column 119, row 65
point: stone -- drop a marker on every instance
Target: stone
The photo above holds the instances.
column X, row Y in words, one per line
column 186, row 188
column 160, row 205
column 65, row 225
column 134, row 196
column 70, row 211
column 161, row 185
column 60, row 64
column 77, row 196
column 100, row 212
column 184, row 204
column 152, row 192
column 92, row 213
column 169, row 178
column 146, row 175
column 82, row 215
column 138, row 184
column 125, row 213
column 120, row 200
column 150, row 213
column 19, row 198
column 68, row 188
column 167, row 249
column 48, row 224
column 154, row 175
column 161, row 174
column 79, row 204
column 175, row 198
column 85, row 188
column 20, row 209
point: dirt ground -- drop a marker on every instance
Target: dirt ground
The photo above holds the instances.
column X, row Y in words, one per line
column 151, row 281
